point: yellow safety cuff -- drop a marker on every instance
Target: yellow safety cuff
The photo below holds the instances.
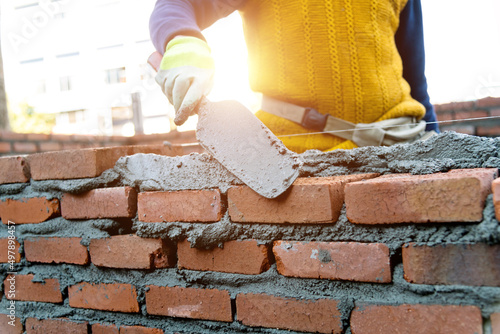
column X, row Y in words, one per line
column 187, row 51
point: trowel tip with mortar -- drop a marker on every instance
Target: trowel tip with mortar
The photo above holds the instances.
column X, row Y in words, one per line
column 246, row 147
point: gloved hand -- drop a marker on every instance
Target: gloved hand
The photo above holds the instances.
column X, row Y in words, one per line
column 186, row 74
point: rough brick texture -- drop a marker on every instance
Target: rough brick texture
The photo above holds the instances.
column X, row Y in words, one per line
column 14, row 170
column 107, row 297
column 112, row 329
column 55, row 326
column 207, row 304
column 240, row 256
column 131, row 252
column 442, row 319
column 183, row 206
column 100, row 203
column 56, row 250
column 317, row 316
column 474, row 264
column 10, row 324
column 104, row 329
column 309, row 200
column 334, row 260
column 495, row 323
column 456, row 196
column 6, row 245
column 139, row 330
column 83, row 163
column 74, row 164
column 23, row 288
column 28, row 210
column 496, row 197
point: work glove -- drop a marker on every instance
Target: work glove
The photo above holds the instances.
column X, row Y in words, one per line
column 186, row 75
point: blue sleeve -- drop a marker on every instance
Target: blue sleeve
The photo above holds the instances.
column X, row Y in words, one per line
column 186, row 17
column 410, row 44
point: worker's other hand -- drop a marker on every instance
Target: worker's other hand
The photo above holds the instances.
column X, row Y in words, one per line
column 186, row 74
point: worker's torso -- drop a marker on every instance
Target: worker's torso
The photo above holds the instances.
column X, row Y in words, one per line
column 338, row 56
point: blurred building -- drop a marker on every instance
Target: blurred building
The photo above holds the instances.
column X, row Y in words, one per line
column 83, row 60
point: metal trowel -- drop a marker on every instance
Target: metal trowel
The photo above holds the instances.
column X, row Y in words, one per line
column 243, row 145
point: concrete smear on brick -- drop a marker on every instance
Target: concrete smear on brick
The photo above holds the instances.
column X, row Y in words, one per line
column 148, row 172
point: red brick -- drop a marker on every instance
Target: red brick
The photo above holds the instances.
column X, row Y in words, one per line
column 184, row 206
column 488, row 131
column 160, row 149
column 443, row 319
column 50, row 146
column 131, row 252
column 28, row 210
column 81, row 163
column 9, row 250
column 239, row 256
column 309, row 200
column 448, row 116
column 471, row 114
column 112, row 329
column 495, row 112
column 350, row 261
column 5, row 147
column 317, row 316
column 55, row 326
column 24, row 147
column 14, row 170
column 456, row 196
column 495, row 186
column 104, row 329
column 139, row 330
column 56, row 250
column 495, row 323
column 23, row 288
column 12, row 135
column 9, row 324
column 73, row 146
column 107, row 297
column 61, row 137
column 207, row 304
column 467, row 264
column 37, row 136
column 100, row 203
column 467, row 105
column 488, row 102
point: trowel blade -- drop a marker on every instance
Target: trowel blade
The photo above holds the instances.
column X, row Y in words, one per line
column 246, row 147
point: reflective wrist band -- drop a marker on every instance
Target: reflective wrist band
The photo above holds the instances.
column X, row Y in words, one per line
column 187, row 51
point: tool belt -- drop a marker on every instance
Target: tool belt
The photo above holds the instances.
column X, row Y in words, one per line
column 383, row 133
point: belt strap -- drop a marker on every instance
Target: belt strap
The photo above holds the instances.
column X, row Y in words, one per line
column 387, row 132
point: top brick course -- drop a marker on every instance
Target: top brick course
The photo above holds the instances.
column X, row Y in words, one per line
column 85, row 163
column 456, row 196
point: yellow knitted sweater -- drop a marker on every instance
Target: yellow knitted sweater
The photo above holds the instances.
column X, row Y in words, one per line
column 337, row 56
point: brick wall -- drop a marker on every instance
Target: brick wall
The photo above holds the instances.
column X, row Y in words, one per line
column 28, row 143
column 460, row 111
column 93, row 251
